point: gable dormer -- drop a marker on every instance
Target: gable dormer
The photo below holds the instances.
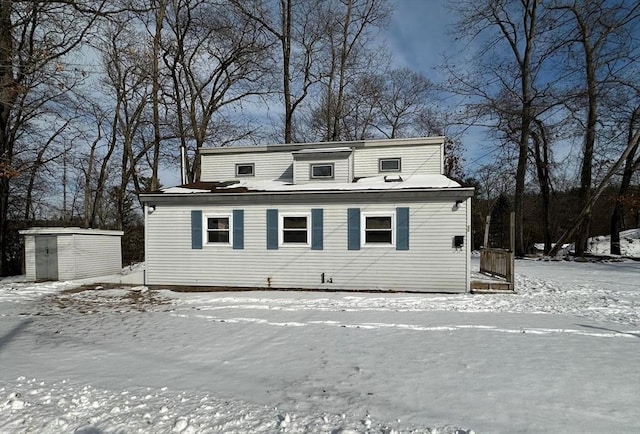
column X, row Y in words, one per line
column 322, row 165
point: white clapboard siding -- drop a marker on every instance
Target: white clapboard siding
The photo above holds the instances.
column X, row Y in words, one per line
column 302, row 170
column 30, row 254
column 96, row 255
column 415, row 160
column 432, row 264
column 268, row 165
column 418, row 156
column 66, row 259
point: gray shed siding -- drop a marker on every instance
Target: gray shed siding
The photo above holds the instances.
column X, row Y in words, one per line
column 430, row 264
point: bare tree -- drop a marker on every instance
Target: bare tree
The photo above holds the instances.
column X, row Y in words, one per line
column 631, row 167
column 349, row 53
column 215, row 57
column 406, row 101
column 540, row 152
column 585, row 212
column 35, row 38
column 598, row 39
column 513, row 27
column 298, row 29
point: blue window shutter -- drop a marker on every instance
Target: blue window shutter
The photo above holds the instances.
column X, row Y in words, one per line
column 238, row 229
column 402, row 228
column 353, row 228
column 196, row 229
column 317, row 217
column 272, row 229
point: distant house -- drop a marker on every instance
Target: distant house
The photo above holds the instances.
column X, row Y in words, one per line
column 365, row 215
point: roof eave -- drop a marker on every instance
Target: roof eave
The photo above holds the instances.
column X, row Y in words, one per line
column 451, row 192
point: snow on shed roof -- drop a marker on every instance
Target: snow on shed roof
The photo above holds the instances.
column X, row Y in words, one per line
column 68, row 231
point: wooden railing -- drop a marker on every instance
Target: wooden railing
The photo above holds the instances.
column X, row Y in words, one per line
column 497, row 262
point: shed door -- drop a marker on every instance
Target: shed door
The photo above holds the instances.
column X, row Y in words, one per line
column 46, row 258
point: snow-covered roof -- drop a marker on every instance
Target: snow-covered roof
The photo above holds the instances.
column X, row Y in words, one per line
column 184, row 190
column 369, row 183
column 68, row 231
column 322, row 150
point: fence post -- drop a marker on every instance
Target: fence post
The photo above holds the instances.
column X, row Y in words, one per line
column 512, row 236
column 486, row 232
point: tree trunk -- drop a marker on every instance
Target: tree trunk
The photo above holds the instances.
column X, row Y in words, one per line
column 586, row 210
column 155, row 94
column 630, row 166
column 541, row 154
column 8, row 94
column 285, row 39
column 582, row 234
column 344, row 56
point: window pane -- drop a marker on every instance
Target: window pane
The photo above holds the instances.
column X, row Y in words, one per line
column 218, row 236
column 390, row 165
column 295, row 222
column 244, row 169
column 218, row 223
column 322, row 171
column 378, row 237
column 378, row 223
column 294, row 236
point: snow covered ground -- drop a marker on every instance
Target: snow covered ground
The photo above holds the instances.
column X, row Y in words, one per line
column 561, row 355
column 629, row 244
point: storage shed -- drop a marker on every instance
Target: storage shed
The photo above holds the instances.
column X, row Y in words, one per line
column 71, row 253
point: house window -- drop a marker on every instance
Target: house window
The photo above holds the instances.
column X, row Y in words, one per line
column 322, row 171
column 389, row 164
column 245, row 169
column 378, row 229
column 295, row 229
column 218, row 229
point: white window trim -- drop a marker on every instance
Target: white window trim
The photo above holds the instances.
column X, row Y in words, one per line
column 363, row 228
column 380, row 169
column 253, row 170
column 333, row 171
column 205, row 229
column 281, row 217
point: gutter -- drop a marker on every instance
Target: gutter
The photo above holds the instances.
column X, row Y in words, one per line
column 309, row 195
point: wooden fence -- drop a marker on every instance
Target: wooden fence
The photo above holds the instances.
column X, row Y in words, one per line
column 498, row 262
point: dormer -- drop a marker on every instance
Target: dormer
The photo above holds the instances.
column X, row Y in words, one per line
column 322, row 165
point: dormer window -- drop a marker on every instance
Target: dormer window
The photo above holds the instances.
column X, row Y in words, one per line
column 389, row 165
column 322, row 171
column 246, row 169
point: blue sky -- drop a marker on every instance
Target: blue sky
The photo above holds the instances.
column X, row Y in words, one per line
column 420, row 37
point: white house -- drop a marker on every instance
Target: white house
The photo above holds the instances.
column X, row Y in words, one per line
column 365, row 215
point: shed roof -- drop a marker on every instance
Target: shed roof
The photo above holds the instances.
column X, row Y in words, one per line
column 68, row 231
